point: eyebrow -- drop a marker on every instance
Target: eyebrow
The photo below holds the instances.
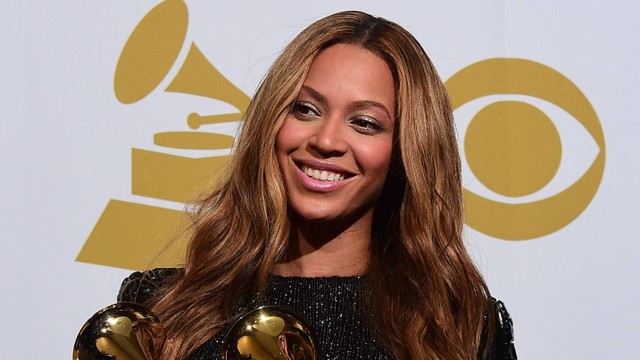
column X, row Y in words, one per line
column 359, row 104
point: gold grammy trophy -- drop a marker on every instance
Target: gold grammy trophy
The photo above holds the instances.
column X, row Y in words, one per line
column 127, row 331
column 129, row 234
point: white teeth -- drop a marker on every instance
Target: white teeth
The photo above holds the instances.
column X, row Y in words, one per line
column 322, row 175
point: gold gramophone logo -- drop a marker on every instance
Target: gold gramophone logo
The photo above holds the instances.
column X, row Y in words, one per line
column 130, row 234
column 514, row 149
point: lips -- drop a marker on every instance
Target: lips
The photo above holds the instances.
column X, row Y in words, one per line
column 322, row 177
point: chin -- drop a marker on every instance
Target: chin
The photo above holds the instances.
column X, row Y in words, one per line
column 313, row 215
column 319, row 214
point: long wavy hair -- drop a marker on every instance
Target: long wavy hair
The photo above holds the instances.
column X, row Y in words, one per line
column 429, row 300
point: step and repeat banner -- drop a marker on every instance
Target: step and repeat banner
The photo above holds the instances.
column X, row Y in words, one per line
column 116, row 114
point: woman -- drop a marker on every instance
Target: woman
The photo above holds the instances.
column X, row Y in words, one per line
column 343, row 202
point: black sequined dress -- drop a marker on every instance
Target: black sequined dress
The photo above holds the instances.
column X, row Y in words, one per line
column 331, row 304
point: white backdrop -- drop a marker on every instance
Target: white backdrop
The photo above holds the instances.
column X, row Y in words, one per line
column 67, row 142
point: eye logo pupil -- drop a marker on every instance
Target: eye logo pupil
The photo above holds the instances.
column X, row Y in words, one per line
column 514, row 149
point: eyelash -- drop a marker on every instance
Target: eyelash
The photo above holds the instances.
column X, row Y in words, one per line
column 367, row 125
column 363, row 124
column 301, row 109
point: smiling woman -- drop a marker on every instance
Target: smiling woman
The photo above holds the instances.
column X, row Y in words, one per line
column 342, row 203
column 334, row 150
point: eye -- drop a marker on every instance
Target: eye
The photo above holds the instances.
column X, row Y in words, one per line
column 576, row 149
column 533, row 179
column 302, row 110
column 366, row 125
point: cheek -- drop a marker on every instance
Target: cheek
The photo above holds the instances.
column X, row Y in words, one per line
column 288, row 139
column 376, row 157
column 282, row 143
column 288, row 136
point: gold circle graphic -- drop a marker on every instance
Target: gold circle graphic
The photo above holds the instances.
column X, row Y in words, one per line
column 524, row 221
column 513, row 148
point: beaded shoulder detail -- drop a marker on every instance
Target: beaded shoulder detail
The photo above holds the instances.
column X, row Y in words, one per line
column 503, row 346
column 140, row 287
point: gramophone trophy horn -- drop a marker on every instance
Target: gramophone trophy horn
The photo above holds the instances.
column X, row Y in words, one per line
column 270, row 333
column 127, row 331
column 122, row 331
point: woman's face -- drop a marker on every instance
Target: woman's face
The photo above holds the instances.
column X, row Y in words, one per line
column 334, row 148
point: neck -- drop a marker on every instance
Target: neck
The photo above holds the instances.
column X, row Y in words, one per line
column 319, row 249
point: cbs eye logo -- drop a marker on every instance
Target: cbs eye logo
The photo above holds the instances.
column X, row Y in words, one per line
column 520, row 122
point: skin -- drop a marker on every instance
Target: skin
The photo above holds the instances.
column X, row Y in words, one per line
column 342, row 123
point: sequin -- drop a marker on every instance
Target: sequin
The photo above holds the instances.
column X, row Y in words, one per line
column 332, row 305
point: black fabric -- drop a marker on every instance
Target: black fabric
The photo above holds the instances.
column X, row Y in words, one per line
column 140, row 287
column 332, row 305
column 503, row 347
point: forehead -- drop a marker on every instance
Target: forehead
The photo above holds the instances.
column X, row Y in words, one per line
column 353, row 73
column 345, row 57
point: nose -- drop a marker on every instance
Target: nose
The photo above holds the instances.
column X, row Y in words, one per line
column 329, row 138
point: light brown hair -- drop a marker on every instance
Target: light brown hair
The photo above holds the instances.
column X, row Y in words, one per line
column 429, row 299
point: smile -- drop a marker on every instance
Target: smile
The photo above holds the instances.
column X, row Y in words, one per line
column 322, row 175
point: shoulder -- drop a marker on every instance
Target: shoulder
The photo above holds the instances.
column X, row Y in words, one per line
column 141, row 286
column 503, row 345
